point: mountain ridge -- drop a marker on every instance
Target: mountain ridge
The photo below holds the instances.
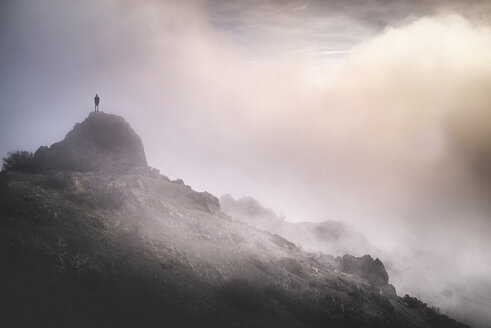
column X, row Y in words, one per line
column 122, row 246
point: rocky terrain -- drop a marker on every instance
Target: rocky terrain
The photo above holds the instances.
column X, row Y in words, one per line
column 90, row 236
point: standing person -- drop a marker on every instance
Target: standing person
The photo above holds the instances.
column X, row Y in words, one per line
column 96, row 102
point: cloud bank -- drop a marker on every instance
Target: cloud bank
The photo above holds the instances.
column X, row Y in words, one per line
column 315, row 108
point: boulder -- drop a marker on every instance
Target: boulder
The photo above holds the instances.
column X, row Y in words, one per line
column 389, row 291
column 367, row 268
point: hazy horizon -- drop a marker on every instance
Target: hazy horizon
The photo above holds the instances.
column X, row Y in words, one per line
column 372, row 112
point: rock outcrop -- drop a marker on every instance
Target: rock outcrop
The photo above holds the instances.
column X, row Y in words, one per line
column 100, row 141
column 367, row 268
column 371, row 270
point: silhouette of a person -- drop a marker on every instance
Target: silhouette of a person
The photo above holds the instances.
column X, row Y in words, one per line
column 96, row 102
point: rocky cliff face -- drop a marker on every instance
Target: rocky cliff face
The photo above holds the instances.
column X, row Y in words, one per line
column 131, row 248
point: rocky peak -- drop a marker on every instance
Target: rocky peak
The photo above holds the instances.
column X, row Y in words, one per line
column 101, row 140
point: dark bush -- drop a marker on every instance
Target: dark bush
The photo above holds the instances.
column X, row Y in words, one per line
column 413, row 302
column 18, row 161
column 382, row 302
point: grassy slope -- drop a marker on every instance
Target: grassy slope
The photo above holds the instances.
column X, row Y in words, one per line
column 135, row 249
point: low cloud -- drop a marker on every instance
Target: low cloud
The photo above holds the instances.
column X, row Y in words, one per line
column 388, row 130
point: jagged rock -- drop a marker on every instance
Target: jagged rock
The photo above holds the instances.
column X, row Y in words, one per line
column 100, row 141
column 366, row 267
column 389, row 291
column 377, row 274
column 205, row 201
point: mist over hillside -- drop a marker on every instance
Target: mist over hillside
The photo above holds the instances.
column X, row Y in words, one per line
column 118, row 244
column 330, row 237
column 372, row 113
column 464, row 297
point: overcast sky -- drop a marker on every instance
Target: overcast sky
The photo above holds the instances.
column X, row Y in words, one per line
column 373, row 112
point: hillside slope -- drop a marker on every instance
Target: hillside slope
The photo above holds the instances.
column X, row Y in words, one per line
column 124, row 246
column 332, row 237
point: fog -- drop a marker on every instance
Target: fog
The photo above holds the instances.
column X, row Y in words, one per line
column 374, row 113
